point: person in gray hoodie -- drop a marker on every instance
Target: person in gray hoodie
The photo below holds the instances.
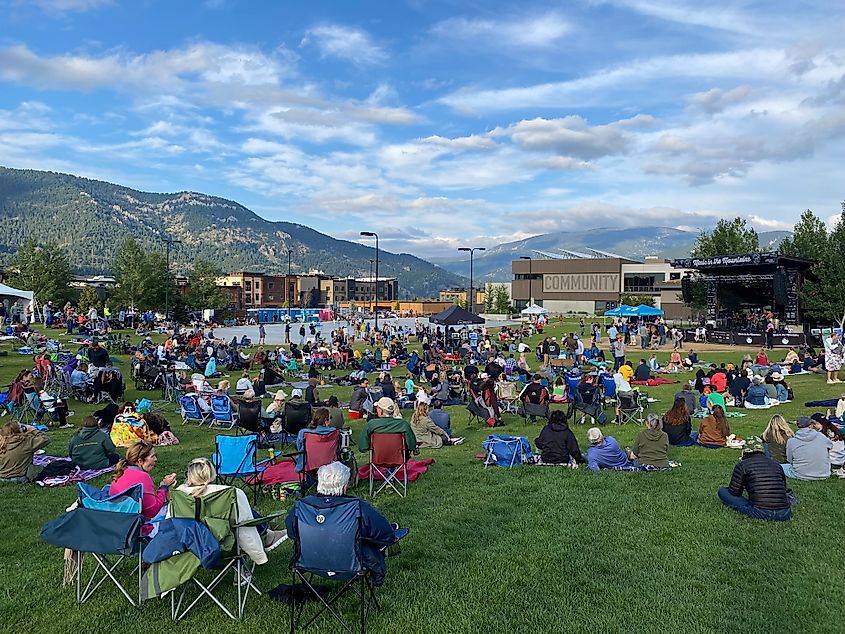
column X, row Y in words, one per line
column 651, row 446
column 807, row 452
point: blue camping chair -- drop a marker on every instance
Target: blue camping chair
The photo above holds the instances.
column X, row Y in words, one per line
column 572, row 381
column 609, row 388
column 189, row 407
column 107, row 527
column 235, row 459
column 328, row 547
column 223, row 411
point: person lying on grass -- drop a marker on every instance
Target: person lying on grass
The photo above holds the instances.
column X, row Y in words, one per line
column 604, row 453
column 765, row 482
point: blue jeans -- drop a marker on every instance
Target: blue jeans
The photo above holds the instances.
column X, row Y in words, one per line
column 743, row 505
column 693, row 438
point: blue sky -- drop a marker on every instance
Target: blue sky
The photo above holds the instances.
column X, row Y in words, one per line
column 439, row 123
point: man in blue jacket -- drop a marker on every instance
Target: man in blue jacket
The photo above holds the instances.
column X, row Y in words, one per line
column 376, row 533
column 604, row 453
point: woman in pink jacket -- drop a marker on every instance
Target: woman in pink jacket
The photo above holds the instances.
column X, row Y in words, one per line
column 135, row 469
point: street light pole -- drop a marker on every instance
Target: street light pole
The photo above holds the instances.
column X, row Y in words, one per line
column 471, row 251
column 373, row 234
column 287, row 287
column 169, row 242
column 530, row 279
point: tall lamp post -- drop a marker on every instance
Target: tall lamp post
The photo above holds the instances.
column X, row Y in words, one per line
column 169, row 242
column 373, row 234
column 471, row 251
column 288, row 293
column 530, row 279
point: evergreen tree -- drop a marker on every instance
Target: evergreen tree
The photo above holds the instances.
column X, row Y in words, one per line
column 143, row 280
column 88, row 298
column 42, row 269
column 204, row 291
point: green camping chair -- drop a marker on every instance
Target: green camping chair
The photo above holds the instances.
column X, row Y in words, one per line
column 219, row 512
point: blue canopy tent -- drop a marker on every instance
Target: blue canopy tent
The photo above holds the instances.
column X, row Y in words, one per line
column 645, row 311
column 623, row 310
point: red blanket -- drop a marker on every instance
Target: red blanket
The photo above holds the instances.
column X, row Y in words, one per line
column 415, row 469
column 280, row 472
column 653, row 381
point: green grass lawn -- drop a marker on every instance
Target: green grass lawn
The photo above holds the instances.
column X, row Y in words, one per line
column 521, row 550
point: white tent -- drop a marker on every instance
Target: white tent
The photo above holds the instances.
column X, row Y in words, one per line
column 533, row 309
column 14, row 295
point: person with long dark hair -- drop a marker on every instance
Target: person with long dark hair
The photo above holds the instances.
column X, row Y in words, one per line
column 678, row 425
column 714, row 430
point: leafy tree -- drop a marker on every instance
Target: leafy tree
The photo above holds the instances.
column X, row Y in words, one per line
column 143, row 280
column 488, row 298
column 204, row 292
column 42, row 269
column 730, row 237
column 88, row 298
column 821, row 291
column 501, row 300
column 636, row 300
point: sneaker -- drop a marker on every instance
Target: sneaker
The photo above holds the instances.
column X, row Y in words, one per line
column 457, row 441
column 840, row 472
column 830, row 381
column 70, row 413
column 65, row 426
column 273, row 538
column 244, row 580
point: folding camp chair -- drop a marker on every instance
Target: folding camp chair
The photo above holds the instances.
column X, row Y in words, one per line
column 297, row 416
column 477, row 412
column 630, row 409
column 508, row 397
column 235, row 460
column 249, row 417
column 173, row 390
column 318, row 449
column 528, row 409
column 31, row 410
column 108, row 528
column 608, row 389
column 219, row 512
column 191, row 411
column 223, row 411
column 572, row 383
column 327, row 547
column 389, row 459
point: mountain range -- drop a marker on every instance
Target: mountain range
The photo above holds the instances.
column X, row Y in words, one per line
column 494, row 264
column 91, row 219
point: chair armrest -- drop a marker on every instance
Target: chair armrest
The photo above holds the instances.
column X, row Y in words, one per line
column 257, row 521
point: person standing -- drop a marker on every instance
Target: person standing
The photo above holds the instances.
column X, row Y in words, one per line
column 618, row 348
column 287, row 332
column 833, row 357
column 262, row 334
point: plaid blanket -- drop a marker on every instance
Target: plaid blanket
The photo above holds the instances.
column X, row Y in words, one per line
column 77, row 475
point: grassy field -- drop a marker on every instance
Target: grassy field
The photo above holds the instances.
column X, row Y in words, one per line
column 521, row 550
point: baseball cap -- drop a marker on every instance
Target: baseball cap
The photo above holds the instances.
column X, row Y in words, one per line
column 803, row 421
column 594, row 434
column 280, row 396
column 296, row 392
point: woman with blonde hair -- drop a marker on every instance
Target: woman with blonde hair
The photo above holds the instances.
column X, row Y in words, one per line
column 428, row 434
column 776, row 434
column 223, row 387
column 254, row 541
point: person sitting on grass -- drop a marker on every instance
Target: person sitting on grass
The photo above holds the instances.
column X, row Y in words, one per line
column 428, row 434
column 256, row 542
column 375, row 533
column 774, row 437
column 757, row 396
column 714, row 430
column 837, row 452
column 335, row 413
column 440, row 416
column 808, row 452
column 18, row 444
column 678, row 425
column 627, row 371
column 765, row 482
column 386, row 421
column 643, row 371
column 557, row 443
column 651, row 445
column 604, row 453
column 90, row 448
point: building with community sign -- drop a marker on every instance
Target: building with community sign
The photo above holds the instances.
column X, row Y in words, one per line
column 574, row 282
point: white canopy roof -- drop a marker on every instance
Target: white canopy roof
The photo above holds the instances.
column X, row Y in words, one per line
column 533, row 309
column 7, row 292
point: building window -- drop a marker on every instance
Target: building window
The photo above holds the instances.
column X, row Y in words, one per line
column 248, row 285
column 269, row 286
column 674, row 276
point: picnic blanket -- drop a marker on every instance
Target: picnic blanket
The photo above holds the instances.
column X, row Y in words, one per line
column 703, row 412
column 654, row 381
column 77, row 475
column 829, row 403
column 280, row 473
column 415, row 469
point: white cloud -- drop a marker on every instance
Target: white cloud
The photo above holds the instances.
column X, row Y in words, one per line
column 724, row 18
column 717, row 99
column 346, row 43
column 471, row 142
column 532, row 32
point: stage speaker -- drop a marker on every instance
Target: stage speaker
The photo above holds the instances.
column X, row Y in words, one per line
column 686, row 289
column 780, row 289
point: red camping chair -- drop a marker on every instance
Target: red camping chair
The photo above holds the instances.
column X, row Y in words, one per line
column 319, row 450
column 389, row 458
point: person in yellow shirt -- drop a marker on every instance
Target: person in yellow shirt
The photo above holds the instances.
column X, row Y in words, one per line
column 627, row 371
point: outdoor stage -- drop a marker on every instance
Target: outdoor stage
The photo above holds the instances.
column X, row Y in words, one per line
column 756, row 339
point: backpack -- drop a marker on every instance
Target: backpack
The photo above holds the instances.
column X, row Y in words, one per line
column 507, row 451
